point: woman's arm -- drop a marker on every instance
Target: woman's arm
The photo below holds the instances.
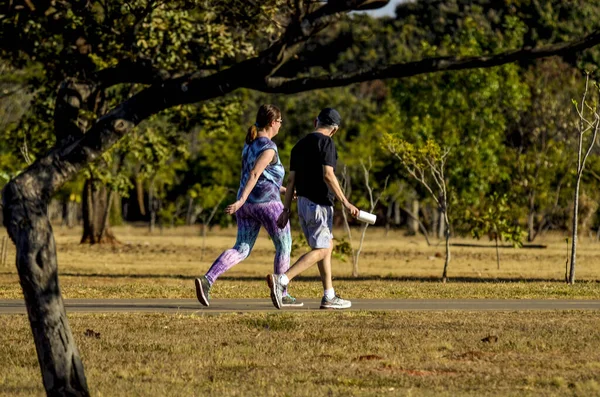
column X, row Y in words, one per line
column 261, row 163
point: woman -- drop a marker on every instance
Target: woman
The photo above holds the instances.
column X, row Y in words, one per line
column 258, row 203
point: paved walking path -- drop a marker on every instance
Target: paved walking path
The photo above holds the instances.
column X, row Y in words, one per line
column 189, row 306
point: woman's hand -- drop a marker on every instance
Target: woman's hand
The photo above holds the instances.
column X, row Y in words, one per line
column 232, row 208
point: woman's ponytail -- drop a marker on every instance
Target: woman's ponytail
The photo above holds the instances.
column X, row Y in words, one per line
column 252, row 134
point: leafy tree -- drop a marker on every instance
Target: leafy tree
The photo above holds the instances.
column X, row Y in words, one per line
column 537, row 146
column 496, row 221
column 426, row 163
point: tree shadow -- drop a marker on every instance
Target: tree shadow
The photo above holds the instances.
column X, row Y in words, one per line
column 420, row 279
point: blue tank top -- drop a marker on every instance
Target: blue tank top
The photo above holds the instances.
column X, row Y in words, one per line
column 269, row 182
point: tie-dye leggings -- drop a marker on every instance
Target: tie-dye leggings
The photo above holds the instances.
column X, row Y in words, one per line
column 250, row 217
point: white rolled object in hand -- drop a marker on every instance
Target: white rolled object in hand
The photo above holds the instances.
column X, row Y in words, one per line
column 366, row 217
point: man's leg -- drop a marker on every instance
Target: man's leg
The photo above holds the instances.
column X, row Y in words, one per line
column 325, row 269
column 306, row 261
column 330, row 299
column 314, row 223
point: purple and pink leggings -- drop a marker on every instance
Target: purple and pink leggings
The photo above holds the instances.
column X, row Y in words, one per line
column 250, row 217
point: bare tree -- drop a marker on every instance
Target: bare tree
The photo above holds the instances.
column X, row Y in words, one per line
column 346, row 187
column 585, row 126
column 373, row 204
column 422, row 227
column 426, row 165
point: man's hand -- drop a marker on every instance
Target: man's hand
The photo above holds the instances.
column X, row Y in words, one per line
column 232, row 208
column 352, row 209
column 283, row 190
column 283, row 219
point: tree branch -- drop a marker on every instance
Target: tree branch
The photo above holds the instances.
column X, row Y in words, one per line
column 68, row 159
column 301, row 29
column 429, row 65
column 141, row 71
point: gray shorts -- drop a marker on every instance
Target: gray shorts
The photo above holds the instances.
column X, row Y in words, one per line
column 316, row 222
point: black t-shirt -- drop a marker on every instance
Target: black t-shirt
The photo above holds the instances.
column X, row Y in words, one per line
column 308, row 157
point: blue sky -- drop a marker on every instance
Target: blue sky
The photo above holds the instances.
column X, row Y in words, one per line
column 387, row 10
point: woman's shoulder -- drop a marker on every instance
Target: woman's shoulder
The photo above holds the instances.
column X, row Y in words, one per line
column 264, row 143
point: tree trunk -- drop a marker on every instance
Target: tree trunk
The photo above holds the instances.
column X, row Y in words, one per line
column 447, row 261
column 106, row 216
column 190, row 208
column 574, row 237
column 531, row 218
column 441, row 224
column 497, row 252
column 397, row 213
column 388, row 218
column 27, row 223
column 139, row 190
column 421, row 226
column 69, row 213
column 435, row 224
column 413, row 223
column 151, row 206
column 96, row 206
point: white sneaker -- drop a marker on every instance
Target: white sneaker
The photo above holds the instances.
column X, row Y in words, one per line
column 276, row 289
column 289, row 300
column 335, row 303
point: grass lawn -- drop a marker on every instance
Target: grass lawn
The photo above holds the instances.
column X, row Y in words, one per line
column 321, row 354
column 318, row 354
column 391, row 266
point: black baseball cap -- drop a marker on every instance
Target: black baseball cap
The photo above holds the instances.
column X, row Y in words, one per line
column 330, row 116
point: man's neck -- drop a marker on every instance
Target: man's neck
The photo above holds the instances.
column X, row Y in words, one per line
column 323, row 131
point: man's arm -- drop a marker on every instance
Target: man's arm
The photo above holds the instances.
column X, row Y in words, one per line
column 287, row 201
column 333, row 184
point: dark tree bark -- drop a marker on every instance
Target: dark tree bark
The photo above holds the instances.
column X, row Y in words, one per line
column 29, row 227
column 25, row 198
column 97, row 201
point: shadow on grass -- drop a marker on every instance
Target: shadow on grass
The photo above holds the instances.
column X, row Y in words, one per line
column 421, row 279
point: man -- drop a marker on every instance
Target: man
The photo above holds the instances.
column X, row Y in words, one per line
column 312, row 177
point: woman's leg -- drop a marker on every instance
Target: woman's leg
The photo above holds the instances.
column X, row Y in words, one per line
column 282, row 238
column 248, row 229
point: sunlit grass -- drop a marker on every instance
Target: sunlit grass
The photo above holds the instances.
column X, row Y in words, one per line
column 316, row 354
column 313, row 354
column 391, row 266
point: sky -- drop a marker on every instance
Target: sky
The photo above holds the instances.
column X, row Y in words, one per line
column 387, row 10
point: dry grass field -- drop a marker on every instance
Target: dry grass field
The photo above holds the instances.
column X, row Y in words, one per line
column 553, row 353
column 322, row 354
column 164, row 265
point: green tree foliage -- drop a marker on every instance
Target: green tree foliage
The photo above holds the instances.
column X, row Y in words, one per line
column 74, row 40
column 497, row 222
